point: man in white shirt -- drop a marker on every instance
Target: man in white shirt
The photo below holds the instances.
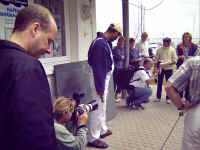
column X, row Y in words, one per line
column 140, row 81
column 142, row 46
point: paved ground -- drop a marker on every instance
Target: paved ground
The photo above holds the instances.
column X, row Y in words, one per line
column 145, row 129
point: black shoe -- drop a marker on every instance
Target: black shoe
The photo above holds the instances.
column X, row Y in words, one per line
column 136, row 107
column 140, row 106
column 128, row 102
column 106, row 134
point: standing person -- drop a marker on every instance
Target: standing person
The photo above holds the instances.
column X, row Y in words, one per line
column 134, row 56
column 185, row 50
column 188, row 72
column 143, row 46
column 119, row 60
column 100, row 59
column 26, row 119
column 165, row 59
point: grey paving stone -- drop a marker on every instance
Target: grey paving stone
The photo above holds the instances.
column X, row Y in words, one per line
column 145, row 129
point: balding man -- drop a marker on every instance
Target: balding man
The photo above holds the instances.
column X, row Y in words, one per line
column 26, row 119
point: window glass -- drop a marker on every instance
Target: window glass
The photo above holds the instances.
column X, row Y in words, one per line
column 56, row 7
column 8, row 12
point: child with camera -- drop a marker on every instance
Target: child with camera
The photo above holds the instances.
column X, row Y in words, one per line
column 63, row 110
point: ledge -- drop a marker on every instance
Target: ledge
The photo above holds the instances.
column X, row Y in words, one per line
column 49, row 63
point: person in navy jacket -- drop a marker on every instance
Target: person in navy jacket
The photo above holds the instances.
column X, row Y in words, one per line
column 100, row 59
column 26, row 117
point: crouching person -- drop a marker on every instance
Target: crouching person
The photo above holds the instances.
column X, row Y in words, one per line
column 140, row 91
column 63, row 110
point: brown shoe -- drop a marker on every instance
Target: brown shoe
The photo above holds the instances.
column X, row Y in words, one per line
column 106, row 134
column 98, row 144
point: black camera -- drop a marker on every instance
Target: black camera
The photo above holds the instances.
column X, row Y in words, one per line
column 80, row 108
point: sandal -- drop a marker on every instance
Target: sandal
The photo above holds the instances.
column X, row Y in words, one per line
column 106, row 134
column 98, row 144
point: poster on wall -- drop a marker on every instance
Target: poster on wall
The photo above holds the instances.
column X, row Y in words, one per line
column 8, row 12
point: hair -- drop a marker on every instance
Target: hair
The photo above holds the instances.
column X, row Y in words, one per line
column 144, row 34
column 62, row 104
column 167, row 39
column 187, row 33
column 131, row 40
column 147, row 60
column 121, row 38
column 32, row 13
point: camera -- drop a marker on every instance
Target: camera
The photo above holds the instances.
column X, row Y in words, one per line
column 81, row 108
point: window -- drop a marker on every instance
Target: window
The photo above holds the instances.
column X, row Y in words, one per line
column 57, row 9
column 8, row 12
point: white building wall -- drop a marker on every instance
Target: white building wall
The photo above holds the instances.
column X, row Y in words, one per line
column 80, row 31
column 80, row 28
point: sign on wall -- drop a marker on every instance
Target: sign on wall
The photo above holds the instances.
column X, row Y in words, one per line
column 8, row 14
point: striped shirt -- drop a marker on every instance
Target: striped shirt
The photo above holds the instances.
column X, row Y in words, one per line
column 188, row 73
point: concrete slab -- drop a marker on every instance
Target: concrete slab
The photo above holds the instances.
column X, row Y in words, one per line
column 145, row 129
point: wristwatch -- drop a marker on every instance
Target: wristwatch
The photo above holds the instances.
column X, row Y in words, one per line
column 182, row 107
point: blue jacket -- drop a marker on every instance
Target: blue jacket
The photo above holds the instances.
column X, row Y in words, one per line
column 118, row 52
column 133, row 54
column 99, row 58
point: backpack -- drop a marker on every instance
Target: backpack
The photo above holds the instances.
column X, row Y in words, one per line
column 125, row 75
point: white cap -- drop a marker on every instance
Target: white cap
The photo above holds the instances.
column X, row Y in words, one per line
column 117, row 27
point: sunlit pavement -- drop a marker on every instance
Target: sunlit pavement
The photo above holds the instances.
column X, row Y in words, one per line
column 145, row 129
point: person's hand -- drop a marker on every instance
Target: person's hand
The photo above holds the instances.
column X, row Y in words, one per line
column 101, row 94
column 123, row 57
column 156, row 71
column 181, row 57
column 187, row 106
column 82, row 119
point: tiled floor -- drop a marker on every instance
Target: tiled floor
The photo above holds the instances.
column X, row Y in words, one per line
column 145, row 129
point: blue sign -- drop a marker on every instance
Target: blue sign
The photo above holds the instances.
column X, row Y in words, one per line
column 9, row 11
column 17, row 3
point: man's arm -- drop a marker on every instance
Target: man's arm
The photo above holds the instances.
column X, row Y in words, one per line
column 175, row 97
column 173, row 94
column 177, row 82
column 99, row 67
column 174, row 57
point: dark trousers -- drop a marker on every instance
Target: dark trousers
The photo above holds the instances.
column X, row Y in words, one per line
column 115, row 77
column 167, row 74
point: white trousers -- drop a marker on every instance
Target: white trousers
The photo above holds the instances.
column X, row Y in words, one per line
column 97, row 119
column 191, row 133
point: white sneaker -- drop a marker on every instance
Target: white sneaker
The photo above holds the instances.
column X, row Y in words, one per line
column 117, row 100
column 156, row 100
column 168, row 102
